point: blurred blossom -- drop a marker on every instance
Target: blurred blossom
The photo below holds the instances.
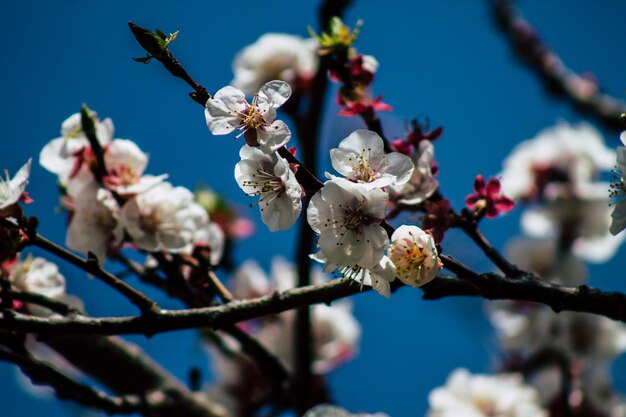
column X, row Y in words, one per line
column 95, row 222
column 163, row 218
column 559, row 171
column 580, row 221
column 335, row 334
column 39, row 276
column 618, row 190
column 66, row 155
column 222, row 214
column 275, row 56
column 467, row 395
column 556, row 162
column 422, row 183
column 13, row 189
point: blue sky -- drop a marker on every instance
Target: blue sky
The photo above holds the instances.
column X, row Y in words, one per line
column 442, row 58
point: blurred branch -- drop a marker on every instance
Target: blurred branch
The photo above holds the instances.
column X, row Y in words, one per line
column 582, row 91
column 65, row 387
column 125, row 369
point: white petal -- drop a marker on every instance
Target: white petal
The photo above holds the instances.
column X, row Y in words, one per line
column 223, row 111
column 274, row 136
column 277, row 92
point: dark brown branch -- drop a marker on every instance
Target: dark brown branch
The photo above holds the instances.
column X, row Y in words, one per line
column 490, row 286
column 146, row 39
column 51, row 304
column 125, row 369
column 90, row 265
column 559, row 79
column 473, row 232
column 67, row 388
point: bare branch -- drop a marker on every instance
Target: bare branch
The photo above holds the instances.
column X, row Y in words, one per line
column 583, row 92
column 67, row 388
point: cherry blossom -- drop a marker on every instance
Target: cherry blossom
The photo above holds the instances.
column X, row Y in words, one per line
column 275, row 56
column 618, row 190
column 335, row 334
column 422, row 183
column 125, row 164
column 361, row 158
column 270, row 178
column 63, row 156
column 39, row 276
column 94, row 226
column 582, row 221
column 163, row 218
column 379, row 277
column 347, row 218
column 466, row 395
column 414, row 255
column 228, row 110
column 334, row 328
column 488, row 198
column 13, row 189
column 561, row 157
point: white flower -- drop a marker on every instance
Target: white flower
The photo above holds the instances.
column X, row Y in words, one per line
column 379, row 277
column 94, row 226
column 163, row 218
column 361, row 158
column 466, row 395
column 270, row 177
column 422, row 183
column 125, row 164
column 618, row 190
column 275, row 56
column 38, row 276
column 547, row 260
column 561, row 157
column 346, row 216
column 212, row 236
column 583, row 220
column 414, row 255
column 59, row 155
column 228, row 110
column 11, row 189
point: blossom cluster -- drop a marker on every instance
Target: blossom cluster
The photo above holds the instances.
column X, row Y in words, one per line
column 123, row 205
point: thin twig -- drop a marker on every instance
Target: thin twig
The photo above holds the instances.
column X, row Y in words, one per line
column 90, row 265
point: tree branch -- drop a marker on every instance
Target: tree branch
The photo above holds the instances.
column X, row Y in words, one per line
column 583, row 92
column 468, row 283
column 66, row 388
column 90, row 265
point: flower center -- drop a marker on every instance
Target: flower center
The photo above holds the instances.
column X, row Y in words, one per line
column 617, row 187
column 151, row 221
column 265, row 182
column 252, row 117
column 353, row 219
column 411, row 255
column 362, row 168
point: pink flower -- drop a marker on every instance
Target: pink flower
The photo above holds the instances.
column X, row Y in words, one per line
column 360, row 107
column 487, row 197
